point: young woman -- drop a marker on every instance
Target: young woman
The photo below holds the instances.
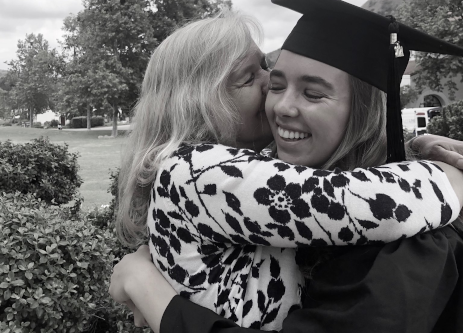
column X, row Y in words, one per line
column 214, row 207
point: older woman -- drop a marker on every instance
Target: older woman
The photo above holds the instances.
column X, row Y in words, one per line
column 219, row 260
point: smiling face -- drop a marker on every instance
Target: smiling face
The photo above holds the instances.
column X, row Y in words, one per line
column 248, row 89
column 308, row 107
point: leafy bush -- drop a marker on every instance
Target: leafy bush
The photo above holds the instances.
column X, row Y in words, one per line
column 37, row 125
column 76, row 122
column 408, row 135
column 105, row 216
column 81, row 122
column 114, row 190
column 101, row 217
column 6, row 124
column 97, row 121
column 55, row 271
column 450, row 123
column 54, row 123
column 40, row 167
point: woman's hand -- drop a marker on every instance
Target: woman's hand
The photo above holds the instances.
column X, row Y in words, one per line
column 124, row 273
column 137, row 283
column 438, row 148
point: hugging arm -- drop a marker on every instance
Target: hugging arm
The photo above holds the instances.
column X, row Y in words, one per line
column 167, row 312
column 137, row 283
column 347, row 294
column 182, row 308
column 237, row 196
column 437, row 148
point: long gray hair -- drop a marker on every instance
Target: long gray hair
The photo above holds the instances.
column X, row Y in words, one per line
column 184, row 98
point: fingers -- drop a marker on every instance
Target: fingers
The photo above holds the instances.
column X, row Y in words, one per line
column 450, row 157
column 138, row 318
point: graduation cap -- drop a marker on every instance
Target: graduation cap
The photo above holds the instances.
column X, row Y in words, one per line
column 368, row 46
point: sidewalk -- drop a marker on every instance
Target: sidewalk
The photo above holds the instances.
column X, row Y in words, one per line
column 100, row 128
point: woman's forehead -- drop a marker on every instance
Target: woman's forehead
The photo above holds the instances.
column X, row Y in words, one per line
column 251, row 59
column 294, row 65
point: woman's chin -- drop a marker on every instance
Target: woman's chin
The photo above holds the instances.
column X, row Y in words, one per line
column 299, row 157
column 291, row 157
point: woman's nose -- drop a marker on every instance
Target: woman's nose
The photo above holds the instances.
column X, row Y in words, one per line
column 285, row 105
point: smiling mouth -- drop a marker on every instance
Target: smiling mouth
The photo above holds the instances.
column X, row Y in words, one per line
column 292, row 135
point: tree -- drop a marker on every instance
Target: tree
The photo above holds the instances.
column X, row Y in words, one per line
column 442, row 19
column 170, row 14
column 35, row 70
column 6, row 101
column 407, row 95
column 94, row 72
column 108, row 46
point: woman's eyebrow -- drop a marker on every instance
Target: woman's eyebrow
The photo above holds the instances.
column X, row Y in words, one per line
column 276, row 73
column 317, row 80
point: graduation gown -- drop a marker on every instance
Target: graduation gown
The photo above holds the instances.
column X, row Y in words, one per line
column 412, row 285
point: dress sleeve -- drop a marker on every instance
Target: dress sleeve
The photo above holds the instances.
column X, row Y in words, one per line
column 229, row 195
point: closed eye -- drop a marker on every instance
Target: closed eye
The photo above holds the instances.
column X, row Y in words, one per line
column 274, row 86
column 250, row 80
column 312, row 95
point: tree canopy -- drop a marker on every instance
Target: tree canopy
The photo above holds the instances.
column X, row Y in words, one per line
column 32, row 76
column 442, row 19
column 105, row 50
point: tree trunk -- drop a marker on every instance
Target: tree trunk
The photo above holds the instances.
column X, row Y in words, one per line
column 31, row 114
column 115, row 112
column 89, row 117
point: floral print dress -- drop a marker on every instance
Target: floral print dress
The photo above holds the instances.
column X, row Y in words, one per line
column 225, row 223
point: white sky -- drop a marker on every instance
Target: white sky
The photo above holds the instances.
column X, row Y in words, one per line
column 21, row 17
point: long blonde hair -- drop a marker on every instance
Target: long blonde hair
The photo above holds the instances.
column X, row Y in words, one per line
column 364, row 142
column 184, row 98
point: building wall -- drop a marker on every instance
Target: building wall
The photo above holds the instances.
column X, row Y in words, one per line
column 443, row 96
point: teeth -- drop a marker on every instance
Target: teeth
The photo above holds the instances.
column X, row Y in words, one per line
column 292, row 135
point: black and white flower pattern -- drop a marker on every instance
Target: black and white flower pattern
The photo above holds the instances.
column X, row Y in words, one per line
column 225, row 223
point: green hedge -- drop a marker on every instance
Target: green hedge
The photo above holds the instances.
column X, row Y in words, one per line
column 449, row 123
column 81, row 122
column 40, row 167
column 49, row 267
column 55, row 271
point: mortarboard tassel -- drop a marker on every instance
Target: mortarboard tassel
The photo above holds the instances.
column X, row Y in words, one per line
column 394, row 131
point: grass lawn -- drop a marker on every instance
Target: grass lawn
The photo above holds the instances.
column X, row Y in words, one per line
column 97, row 156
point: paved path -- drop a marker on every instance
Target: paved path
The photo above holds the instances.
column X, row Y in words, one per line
column 100, row 128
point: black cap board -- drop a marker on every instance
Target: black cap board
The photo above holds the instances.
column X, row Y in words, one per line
column 358, row 42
